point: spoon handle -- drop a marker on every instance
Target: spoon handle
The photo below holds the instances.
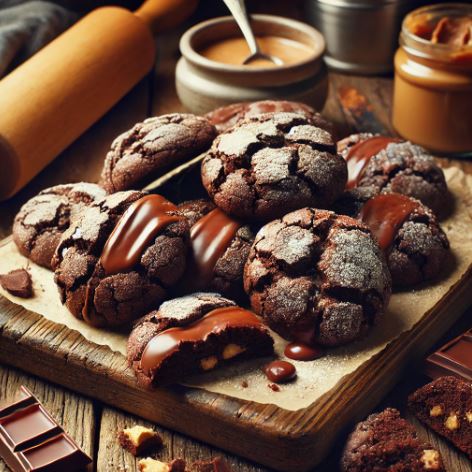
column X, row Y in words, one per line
column 238, row 10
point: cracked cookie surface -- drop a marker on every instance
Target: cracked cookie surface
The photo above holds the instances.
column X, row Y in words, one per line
column 116, row 299
column 270, row 164
column 222, row 345
column 227, row 116
column 39, row 224
column 317, row 275
column 149, row 148
column 402, row 167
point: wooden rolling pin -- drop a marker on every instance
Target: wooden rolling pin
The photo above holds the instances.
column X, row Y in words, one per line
column 51, row 99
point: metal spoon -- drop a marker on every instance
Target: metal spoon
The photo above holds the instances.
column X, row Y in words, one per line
column 238, row 10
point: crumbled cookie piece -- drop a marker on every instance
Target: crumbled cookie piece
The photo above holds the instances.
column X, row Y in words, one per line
column 445, row 406
column 17, row 282
column 385, row 442
column 271, row 164
column 153, row 465
column 139, row 440
column 216, row 464
column 149, row 148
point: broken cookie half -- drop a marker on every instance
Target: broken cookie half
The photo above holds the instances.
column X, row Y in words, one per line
column 193, row 334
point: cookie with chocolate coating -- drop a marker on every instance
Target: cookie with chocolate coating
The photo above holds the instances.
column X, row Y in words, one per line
column 219, row 246
column 149, row 148
column 193, row 334
column 380, row 164
column 121, row 257
column 39, row 224
column 227, row 116
column 318, row 277
column 270, row 164
column 407, row 231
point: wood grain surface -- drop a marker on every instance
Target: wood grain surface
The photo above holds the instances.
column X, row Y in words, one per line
column 90, row 422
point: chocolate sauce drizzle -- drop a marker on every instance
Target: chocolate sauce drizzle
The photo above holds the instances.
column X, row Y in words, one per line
column 167, row 342
column 360, row 155
column 385, row 214
column 135, row 230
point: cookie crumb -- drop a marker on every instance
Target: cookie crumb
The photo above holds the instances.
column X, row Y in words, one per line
column 217, row 464
column 244, row 384
column 18, row 282
column 139, row 439
column 152, row 465
column 274, row 387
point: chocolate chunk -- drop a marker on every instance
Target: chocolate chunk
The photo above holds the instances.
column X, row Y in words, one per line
column 317, row 277
column 385, row 442
column 39, row 224
column 139, row 440
column 194, row 334
column 445, row 406
column 454, row 358
column 31, row 440
column 407, row 231
column 106, row 275
column 214, row 465
column 271, row 164
column 280, row 371
column 149, row 148
column 18, row 282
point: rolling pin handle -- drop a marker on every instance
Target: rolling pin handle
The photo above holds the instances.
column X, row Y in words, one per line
column 162, row 15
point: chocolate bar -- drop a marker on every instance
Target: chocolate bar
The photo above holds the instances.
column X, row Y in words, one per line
column 32, row 441
column 454, row 358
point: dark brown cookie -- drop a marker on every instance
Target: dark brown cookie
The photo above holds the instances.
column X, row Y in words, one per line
column 193, row 334
column 119, row 259
column 445, row 406
column 407, row 231
column 227, row 116
column 385, row 442
column 149, row 148
column 382, row 164
column 39, row 224
column 219, row 249
column 271, row 164
column 317, row 275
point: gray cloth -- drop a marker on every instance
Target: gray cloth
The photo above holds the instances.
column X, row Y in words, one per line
column 26, row 26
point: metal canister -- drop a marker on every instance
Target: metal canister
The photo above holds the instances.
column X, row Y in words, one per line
column 361, row 35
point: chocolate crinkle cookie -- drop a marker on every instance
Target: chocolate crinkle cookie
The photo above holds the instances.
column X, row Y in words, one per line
column 407, row 231
column 192, row 334
column 119, row 259
column 316, row 276
column 271, row 164
column 39, row 224
column 219, row 246
column 385, row 442
column 381, row 164
column 148, row 148
column 227, row 116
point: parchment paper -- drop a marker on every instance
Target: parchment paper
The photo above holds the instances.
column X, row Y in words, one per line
column 314, row 378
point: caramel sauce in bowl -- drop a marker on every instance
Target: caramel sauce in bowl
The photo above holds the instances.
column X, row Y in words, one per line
column 211, row 74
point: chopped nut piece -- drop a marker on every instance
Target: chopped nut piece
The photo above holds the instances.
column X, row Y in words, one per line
column 468, row 415
column 232, row 350
column 139, row 439
column 436, row 411
column 452, row 422
column 431, row 459
column 209, row 363
column 153, row 465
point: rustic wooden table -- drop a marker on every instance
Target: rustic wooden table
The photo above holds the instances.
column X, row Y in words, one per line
column 94, row 425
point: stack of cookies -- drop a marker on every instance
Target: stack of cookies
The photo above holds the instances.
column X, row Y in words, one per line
column 298, row 233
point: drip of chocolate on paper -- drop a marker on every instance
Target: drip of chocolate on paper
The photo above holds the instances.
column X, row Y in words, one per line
column 360, row 155
column 135, row 230
column 210, row 237
column 167, row 342
column 280, row 371
column 384, row 215
column 31, row 440
column 302, row 352
column 454, row 358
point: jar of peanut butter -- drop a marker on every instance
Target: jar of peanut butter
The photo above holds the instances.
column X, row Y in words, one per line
column 432, row 103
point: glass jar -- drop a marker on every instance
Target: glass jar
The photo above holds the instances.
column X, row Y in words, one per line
column 432, row 102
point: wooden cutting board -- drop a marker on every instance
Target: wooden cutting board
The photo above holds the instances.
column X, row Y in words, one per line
column 264, row 433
